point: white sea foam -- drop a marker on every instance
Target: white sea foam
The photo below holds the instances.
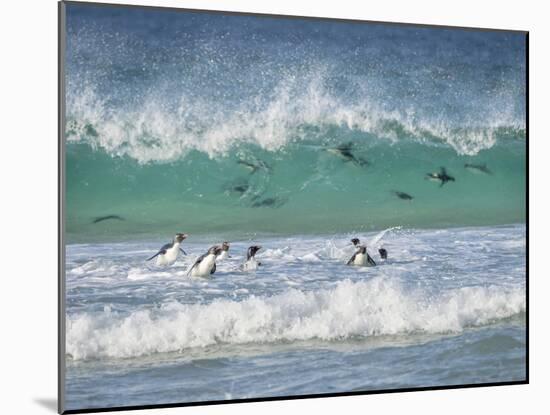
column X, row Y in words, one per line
column 156, row 132
column 380, row 306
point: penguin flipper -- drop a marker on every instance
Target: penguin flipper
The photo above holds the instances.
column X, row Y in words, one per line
column 371, row 261
column 213, row 270
column 184, row 253
column 351, row 260
column 197, row 262
column 161, row 252
column 191, row 269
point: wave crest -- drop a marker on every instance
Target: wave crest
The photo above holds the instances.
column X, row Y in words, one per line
column 160, row 132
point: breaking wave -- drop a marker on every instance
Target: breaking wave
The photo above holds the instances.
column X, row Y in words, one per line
column 217, row 123
column 155, row 133
column 373, row 308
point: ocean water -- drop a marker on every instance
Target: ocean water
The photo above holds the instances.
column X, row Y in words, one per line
column 447, row 307
column 296, row 135
column 229, row 124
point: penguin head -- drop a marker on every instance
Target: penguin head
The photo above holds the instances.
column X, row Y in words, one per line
column 225, row 246
column 215, row 250
column 252, row 251
column 355, row 241
column 180, row 237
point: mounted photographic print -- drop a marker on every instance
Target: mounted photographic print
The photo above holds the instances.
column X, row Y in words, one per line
column 256, row 207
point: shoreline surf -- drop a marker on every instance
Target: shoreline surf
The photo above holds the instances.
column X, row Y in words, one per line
column 113, row 291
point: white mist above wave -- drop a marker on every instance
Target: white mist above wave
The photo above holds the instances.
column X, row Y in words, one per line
column 157, row 131
column 380, row 306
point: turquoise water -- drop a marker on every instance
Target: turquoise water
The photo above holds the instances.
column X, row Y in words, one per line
column 301, row 188
column 162, row 107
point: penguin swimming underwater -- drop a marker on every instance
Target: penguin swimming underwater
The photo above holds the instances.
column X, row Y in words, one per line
column 240, row 188
column 255, row 166
column 271, row 202
column 251, row 264
column 344, row 151
column 368, row 259
column 478, row 168
column 107, row 217
column 225, row 251
column 168, row 254
column 402, row 195
column 442, row 176
column 205, row 265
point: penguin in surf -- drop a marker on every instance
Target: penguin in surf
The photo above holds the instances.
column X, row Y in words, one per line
column 251, row 263
column 168, row 253
column 205, row 265
column 361, row 258
column 225, row 252
column 363, row 255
